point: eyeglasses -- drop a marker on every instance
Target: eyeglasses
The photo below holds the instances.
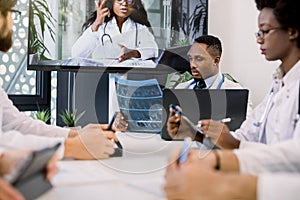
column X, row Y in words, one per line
column 15, row 14
column 262, row 33
column 130, row 2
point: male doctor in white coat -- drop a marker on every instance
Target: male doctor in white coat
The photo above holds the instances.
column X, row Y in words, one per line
column 204, row 56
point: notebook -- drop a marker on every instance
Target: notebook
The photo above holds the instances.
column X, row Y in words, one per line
column 206, row 104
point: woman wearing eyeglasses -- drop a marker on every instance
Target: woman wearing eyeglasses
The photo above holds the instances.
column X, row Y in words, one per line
column 275, row 119
column 269, row 171
column 117, row 29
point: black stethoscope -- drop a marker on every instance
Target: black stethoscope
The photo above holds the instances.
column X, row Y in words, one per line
column 218, row 87
column 107, row 35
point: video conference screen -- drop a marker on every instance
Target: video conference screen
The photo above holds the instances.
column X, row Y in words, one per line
column 58, row 36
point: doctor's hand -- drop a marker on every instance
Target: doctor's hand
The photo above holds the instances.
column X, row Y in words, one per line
column 219, row 134
column 192, row 179
column 102, row 12
column 120, row 122
column 173, row 122
column 90, row 144
column 10, row 159
column 196, row 178
column 128, row 53
column 178, row 127
column 8, row 192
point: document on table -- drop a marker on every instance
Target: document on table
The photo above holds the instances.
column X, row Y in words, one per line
column 81, row 173
column 132, row 63
column 108, row 62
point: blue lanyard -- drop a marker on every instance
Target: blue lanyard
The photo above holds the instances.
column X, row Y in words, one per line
column 218, row 87
column 221, row 82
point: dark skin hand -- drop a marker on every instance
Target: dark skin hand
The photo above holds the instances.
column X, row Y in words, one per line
column 128, row 53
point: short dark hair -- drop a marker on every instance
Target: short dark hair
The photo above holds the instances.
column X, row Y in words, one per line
column 6, row 5
column 261, row 4
column 285, row 11
column 214, row 45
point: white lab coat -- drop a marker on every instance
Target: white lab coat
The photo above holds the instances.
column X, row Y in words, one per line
column 278, row 187
column 90, row 43
column 282, row 133
column 18, row 131
column 279, row 123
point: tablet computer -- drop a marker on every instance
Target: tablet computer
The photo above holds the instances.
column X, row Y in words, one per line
column 29, row 176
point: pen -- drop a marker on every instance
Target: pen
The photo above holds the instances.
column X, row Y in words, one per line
column 225, row 120
column 176, row 110
column 109, row 128
column 185, row 150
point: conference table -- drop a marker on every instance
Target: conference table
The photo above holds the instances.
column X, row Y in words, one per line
column 138, row 174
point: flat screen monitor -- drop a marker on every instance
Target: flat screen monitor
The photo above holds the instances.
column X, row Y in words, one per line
column 55, row 26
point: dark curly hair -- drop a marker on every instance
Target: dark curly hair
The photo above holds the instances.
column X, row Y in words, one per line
column 285, row 11
column 138, row 15
column 6, row 5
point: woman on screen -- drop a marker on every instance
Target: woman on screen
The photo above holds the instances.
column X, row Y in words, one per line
column 118, row 29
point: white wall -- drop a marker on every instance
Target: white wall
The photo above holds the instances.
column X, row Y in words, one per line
column 235, row 22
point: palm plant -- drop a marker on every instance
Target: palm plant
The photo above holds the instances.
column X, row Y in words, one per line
column 39, row 9
column 197, row 18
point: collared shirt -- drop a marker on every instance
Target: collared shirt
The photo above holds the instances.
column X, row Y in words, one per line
column 133, row 36
column 210, row 81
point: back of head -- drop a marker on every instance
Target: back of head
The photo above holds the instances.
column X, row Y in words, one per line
column 6, row 5
column 214, row 45
column 285, row 11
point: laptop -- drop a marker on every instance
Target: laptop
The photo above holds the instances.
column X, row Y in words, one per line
column 206, row 104
column 175, row 58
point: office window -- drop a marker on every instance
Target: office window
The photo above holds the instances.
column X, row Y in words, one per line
column 26, row 88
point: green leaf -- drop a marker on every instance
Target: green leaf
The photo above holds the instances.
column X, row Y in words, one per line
column 70, row 118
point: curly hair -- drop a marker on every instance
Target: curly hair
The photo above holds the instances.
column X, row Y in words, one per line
column 138, row 15
column 6, row 5
column 285, row 11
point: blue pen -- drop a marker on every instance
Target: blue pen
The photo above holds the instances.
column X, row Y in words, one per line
column 185, row 150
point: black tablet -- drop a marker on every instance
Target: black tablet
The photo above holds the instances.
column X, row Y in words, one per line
column 29, row 176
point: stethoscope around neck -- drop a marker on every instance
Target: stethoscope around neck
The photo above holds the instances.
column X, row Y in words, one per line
column 109, row 37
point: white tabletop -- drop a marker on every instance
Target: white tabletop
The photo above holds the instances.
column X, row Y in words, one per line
column 138, row 174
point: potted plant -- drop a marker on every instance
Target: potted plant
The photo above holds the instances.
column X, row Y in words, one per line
column 70, row 118
column 43, row 115
column 176, row 78
column 39, row 12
